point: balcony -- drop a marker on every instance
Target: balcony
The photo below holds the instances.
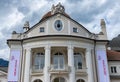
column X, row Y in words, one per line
column 37, row 70
column 58, row 70
column 81, row 71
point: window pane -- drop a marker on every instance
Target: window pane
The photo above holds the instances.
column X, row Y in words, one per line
column 111, row 69
column 75, row 62
column 78, row 61
column 58, row 61
column 55, row 62
column 75, row 30
column 115, row 70
column 42, row 29
column 42, row 62
column 61, row 62
column 39, row 61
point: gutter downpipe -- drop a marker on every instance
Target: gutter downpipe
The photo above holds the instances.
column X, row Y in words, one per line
column 95, row 58
column 21, row 64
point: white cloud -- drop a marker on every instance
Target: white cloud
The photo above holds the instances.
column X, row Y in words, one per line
column 89, row 7
column 14, row 18
column 1, row 35
column 4, row 53
column 34, row 5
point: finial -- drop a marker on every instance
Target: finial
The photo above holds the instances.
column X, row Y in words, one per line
column 14, row 32
column 26, row 24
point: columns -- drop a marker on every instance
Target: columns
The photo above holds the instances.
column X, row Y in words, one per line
column 89, row 65
column 47, row 64
column 27, row 65
column 71, row 64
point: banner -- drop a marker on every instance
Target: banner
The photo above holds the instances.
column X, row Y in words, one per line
column 14, row 63
column 102, row 64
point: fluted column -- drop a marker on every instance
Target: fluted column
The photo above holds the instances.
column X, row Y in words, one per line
column 47, row 64
column 71, row 64
column 27, row 65
column 89, row 65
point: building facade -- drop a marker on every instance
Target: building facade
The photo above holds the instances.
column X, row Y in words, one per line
column 114, row 59
column 57, row 49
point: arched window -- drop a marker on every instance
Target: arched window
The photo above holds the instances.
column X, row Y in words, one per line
column 39, row 61
column 38, row 80
column 78, row 60
column 58, row 60
column 80, row 80
column 60, row 79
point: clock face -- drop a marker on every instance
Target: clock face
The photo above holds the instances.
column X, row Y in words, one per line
column 58, row 25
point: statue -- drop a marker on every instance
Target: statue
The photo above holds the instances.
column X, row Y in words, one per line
column 58, row 8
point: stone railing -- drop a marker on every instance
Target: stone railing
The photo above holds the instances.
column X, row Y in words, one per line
column 63, row 69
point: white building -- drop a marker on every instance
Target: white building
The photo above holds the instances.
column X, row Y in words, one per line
column 3, row 74
column 57, row 49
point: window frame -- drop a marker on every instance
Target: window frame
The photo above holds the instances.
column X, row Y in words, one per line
column 76, row 61
column 75, row 29
column 113, row 69
column 42, row 29
column 58, row 65
column 39, row 61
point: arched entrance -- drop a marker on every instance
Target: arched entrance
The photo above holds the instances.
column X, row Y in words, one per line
column 59, row 79
column 37, row 80
column 80, row 80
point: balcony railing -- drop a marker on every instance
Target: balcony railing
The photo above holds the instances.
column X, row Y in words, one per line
column 58, row 69
column 81, row 71
column 37, row 69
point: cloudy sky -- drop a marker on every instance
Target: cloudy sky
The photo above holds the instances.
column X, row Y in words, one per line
column 13, row 14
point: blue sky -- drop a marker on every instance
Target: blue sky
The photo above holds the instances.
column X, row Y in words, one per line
column 13, row 14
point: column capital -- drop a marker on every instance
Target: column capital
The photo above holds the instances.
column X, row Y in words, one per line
column 70, row 47
column 28, row 49
column 88, row 49
column 47, row 47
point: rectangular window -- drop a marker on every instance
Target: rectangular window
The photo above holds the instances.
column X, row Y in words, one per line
column 42, row 29
column 39, row 61
column 75, row 29
column 78, row 61
column 113, row 69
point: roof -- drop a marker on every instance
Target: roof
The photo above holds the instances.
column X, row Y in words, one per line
column 113, row 55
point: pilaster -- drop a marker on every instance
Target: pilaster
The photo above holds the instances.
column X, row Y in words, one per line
column 71, row 63
column 27, row 66
column 47, row 64
column 89, row 65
